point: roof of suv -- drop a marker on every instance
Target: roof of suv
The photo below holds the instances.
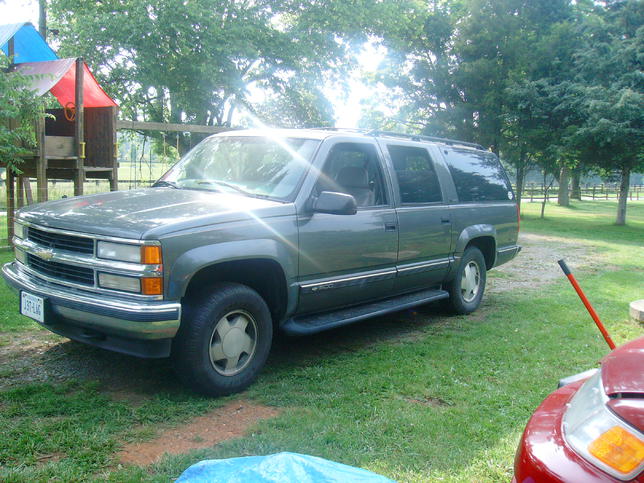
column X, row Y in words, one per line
column 326, row 132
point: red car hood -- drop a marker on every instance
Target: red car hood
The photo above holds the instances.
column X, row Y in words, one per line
column 623, row 379
column 623, row 369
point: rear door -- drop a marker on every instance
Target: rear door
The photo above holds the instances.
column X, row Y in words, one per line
column 483, row 197
column 424, row 224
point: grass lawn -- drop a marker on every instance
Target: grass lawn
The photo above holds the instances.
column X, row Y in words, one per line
column 415, row 396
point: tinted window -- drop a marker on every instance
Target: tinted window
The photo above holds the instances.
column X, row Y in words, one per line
column 354, row 168
column 417, row 178
column 478, row 176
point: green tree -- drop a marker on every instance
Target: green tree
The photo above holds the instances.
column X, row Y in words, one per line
column 610, row 85
column 198, row 61
column 465, row 65
column 20, row 109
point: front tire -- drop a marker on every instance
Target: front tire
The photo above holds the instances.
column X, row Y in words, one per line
column 224, row 339
column 466, row 290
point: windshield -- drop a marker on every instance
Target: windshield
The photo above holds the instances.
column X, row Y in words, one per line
column 252, row 165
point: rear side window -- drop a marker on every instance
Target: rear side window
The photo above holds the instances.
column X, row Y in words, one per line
column 478, row 176
column 417, row 180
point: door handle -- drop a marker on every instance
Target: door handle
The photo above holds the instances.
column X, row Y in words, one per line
column 390, row 227
column 445, row 220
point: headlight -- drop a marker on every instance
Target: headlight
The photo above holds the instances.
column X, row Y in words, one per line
column 599, row 436
column 119, row 282
column 118, row 251
column 19, row 230
column 147, row 254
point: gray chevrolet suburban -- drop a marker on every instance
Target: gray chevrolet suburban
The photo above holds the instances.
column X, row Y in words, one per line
column 259, row 231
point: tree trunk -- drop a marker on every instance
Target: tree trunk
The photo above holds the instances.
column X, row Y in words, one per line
column 563, row 199
column 520, row 180
column 576, row 183
column 545, row 194
column 42, row 18
column 623, row 196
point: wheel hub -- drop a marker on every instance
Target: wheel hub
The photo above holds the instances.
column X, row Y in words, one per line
column 470, row 281
column 233, row 342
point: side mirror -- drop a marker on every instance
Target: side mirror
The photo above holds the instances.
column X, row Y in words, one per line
column 335, row 203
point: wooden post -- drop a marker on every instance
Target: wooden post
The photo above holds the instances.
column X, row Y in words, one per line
column 26, row 184
column 41, row 162
column 114, row 180
column 11, row 50
column 79, row 178
column 20, row 200
column 10, row 204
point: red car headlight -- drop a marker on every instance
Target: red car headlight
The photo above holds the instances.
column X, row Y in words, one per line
column 599, row 436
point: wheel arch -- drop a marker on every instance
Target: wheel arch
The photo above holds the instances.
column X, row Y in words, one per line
column 263, row 275
column 482, row 237
column 262, row 264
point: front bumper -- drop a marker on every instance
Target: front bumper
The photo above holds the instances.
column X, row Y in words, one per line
column 141, row 328
column 543, row 454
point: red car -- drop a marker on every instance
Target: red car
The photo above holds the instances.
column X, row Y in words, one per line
column 592, row 428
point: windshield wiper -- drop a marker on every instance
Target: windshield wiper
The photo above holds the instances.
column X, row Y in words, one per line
column 163, row 184
column 227, row 185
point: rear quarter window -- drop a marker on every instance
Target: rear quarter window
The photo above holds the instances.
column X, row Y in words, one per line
column 478, row 176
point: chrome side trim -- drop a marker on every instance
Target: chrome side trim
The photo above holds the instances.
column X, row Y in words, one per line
column 507, row 249
column 422, row 266
column 374, row 276
column 347, row 281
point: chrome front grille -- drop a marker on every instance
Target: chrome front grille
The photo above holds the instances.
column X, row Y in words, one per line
column 69, row 258
column 62, row 271
column 60, row 241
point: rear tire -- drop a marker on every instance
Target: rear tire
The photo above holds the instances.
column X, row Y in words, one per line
column 467, row 287
column 224, row 339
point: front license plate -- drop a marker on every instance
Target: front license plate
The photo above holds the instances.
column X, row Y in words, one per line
column 32, row 306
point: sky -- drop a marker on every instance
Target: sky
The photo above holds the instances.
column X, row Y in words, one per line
column 347, row 109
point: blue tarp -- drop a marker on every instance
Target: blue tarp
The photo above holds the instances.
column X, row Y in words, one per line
column 277, row 468
column 28, row 45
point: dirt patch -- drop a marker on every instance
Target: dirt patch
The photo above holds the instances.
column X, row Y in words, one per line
column 537, row 266
column 228, row 422
column 39, row 356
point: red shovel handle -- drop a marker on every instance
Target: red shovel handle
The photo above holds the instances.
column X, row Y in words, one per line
column 589, row 307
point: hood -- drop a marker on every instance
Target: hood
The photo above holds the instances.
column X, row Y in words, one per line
column 149, row 212
column 623, row 369
column 623, row 380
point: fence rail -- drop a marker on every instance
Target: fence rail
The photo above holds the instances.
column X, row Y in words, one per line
column 608, row 191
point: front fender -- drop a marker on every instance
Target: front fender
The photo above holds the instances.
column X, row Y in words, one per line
column 196, row 259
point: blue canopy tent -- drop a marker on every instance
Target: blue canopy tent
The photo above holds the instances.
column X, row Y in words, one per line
column 28, row 45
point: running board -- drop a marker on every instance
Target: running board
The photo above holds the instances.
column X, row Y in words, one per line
column 311, row 324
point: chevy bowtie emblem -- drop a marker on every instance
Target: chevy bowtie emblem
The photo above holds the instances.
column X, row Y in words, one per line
column 44, row 253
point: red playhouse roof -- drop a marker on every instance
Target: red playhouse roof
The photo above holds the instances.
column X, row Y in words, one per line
column 59, row 78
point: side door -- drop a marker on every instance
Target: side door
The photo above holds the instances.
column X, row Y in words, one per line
column 347, row 259
column 424, row 222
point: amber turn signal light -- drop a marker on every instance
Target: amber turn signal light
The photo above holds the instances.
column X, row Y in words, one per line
column 151, row 255
column 152, row 286
column 619, row 449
